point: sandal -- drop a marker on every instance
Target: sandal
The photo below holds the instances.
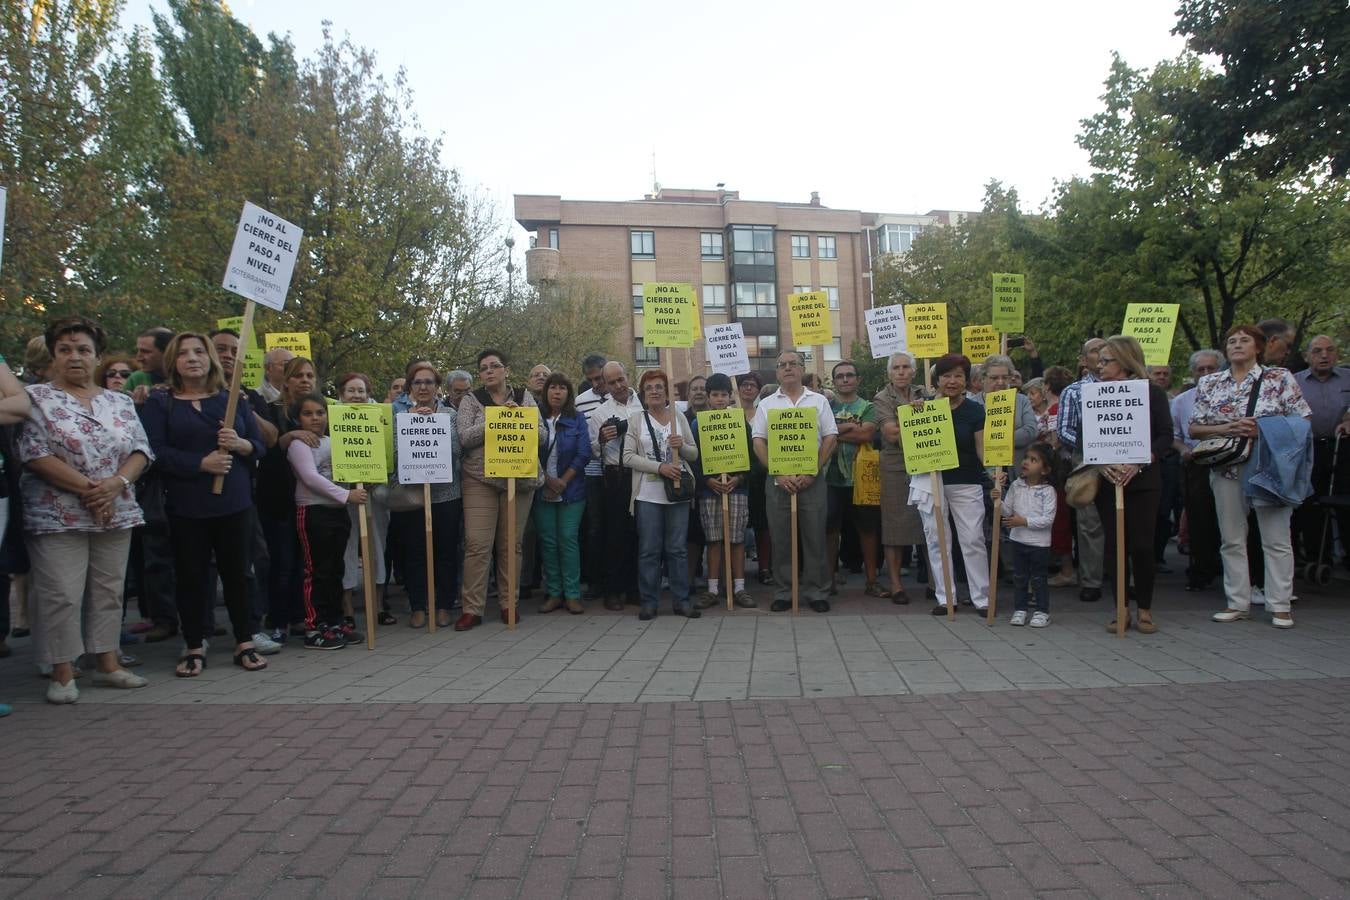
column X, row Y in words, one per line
column 1111, row 626
column 418, row 619
column 255, row 662
column 900, row 598
column 195, row 664
column 875, row 590
column 386, row 618
column 1146, row 626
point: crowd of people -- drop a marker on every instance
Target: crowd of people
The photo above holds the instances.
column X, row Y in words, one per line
column 125, row 479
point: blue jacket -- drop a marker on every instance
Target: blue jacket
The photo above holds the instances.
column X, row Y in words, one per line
column 574, row 451
column 1279, row 472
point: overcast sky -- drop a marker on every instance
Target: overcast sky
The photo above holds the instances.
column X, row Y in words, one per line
column 892, row 107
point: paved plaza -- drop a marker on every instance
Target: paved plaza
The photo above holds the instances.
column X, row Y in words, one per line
column 876, row 751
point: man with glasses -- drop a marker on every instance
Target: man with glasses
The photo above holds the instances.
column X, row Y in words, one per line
column 1326, row 387
column 809, row 490
column 1069, row 425
column 1202, row 520
column 856, row 419
column 457, row 384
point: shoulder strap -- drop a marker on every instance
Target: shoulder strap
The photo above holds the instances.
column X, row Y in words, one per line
column 656, row 445
column 1256, row 392
column 483, row 398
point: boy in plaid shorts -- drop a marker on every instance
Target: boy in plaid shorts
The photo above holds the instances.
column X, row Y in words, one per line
column 710, row 491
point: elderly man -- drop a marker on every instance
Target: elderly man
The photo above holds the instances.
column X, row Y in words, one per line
column 809, row 490
column 1202, row 521
column 535, row 382
column 607, row 424
column 1326, row 387
column 457, row 384
column 397, row 388
column 274, row 374
column 1069, row 425
column 1280, row 337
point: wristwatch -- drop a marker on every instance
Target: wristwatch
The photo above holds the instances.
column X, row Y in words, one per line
column 125, row 482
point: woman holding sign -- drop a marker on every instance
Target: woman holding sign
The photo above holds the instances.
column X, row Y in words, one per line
column 562, row 499
column 193, row 444
column 656, row 447
column 356, row 387
column 1121, row 359
column 901, row 525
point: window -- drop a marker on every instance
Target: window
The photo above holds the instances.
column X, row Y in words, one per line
column 832, row 351
column 710, row 244
column 646, row 356
column 752, row 245
column 553, row 238
column 899, row 238
column 801, row 246
column 715, row 297
column 637, row 298
column 801, row 289
column 643, row 243
column 833, row 294
column 756, row 300
column 825, row 247
column 768, row 345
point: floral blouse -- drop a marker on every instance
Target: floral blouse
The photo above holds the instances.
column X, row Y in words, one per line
column 1219, row 399
column 92, row 442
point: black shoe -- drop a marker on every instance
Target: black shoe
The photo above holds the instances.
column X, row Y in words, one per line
column 820, row 606
column 349, row 633
column 688, row 612
column 386, row 618
column 765, row 577
column 326, row 639
column 647, row 614
column 940, row 609
column 614, row 603
column 1090, row 595
column 781, row 605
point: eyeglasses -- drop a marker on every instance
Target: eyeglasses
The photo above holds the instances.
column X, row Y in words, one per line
column 119, row 373
column 488, row 367
column 424, row 382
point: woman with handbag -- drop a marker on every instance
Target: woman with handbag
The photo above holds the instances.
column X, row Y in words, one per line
column 656, row 448
column 562, row 499
column 1122, row 359
column 1227, row 405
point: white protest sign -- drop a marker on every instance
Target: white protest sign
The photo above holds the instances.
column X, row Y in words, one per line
column 2, row 226
column 263, row 257
column 886, row 330
column 1116, row 423
column 726, row 348
column 424, row 448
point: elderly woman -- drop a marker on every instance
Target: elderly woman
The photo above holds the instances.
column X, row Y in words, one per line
column 962, row 489
column 656, row 448
column 356, row 387
column 901, row 525
column 194, row 445
column 1222, row 401
column 998, row 376
column 485, row 520
column 114, row 371
column 82, row 448
column 1121, row 359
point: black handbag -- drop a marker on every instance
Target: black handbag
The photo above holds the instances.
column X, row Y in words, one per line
column 1229, row 450
column 675, row 493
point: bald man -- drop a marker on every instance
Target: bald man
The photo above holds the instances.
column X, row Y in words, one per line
column 607, row 423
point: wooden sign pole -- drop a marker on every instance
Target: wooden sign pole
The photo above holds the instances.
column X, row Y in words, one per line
column 794, row 555
column 367, row 571
column 993, row 553
column 1122, row 605
column 726, row 543
column 511, row 577
column 236, row 381
column 431, row 560
column 940, row 513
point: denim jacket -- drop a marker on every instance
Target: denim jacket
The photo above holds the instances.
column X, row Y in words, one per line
column 573, row 441
column 1279, row 472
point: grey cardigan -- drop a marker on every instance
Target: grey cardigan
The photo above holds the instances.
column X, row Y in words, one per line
column 639, row 463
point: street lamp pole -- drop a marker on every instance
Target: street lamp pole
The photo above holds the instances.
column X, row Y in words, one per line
column 510, row 270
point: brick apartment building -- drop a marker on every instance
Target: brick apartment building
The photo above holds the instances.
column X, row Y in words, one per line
column 742, row 256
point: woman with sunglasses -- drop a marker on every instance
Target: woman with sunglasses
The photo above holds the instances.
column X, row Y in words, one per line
column 113, row 372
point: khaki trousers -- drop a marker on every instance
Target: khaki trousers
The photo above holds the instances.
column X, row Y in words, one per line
column 75, row 592
column 485, row 526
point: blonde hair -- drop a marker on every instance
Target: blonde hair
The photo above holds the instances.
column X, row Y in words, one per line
column 1128, row 354
column 215, row 375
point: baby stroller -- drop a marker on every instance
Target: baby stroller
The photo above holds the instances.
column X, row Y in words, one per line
column 1319, row 572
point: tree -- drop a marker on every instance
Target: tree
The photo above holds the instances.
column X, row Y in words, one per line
column 1281, row 102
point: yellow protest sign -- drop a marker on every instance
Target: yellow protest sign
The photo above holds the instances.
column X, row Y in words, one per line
column 511, row 442
column 236, row 324
column 1000, row 414
column 1010, row 302
column 867, row 476
column 254, row 368
column 978, row 342
column 1152, row 325
column 357, row 438
column 927, row 437
column 669, row 315
column 926, row 329
column 387, row 423
column 722, row 442
column 793, row 446
column 810, row 317
column 295, row 341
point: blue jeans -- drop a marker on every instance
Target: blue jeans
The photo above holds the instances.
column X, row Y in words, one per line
column 662, row 529
column 1029, row 567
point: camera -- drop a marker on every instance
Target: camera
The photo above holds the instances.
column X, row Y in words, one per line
column 620, row 425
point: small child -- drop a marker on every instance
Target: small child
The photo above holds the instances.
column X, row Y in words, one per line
column 711, row 489
column 322, row 521
column 1028, row 514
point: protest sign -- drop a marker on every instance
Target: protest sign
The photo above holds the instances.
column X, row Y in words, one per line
column 295, row 341
column 263, row 257
column 1009, row 303
column 809, row 314
column 978, row 342
column 1152, row 325
column 886, row 330
column 255, row 368
column 236, row 324
column 424, row 448
column 511, row 442
column 1000, row 413
column 926, row 329
column 357, row 441
column 725, row 346
column 1116, row 423
column 927, row 437
column 722, row 442
column 794, row 447
column 669, row 314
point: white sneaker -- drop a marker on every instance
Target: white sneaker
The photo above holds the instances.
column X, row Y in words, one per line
column 119, row 678
column 1258, row 596
column 1040, row 619
column 1229, row 615
column 62, row 693
column 265, row 645
column 1018, row 618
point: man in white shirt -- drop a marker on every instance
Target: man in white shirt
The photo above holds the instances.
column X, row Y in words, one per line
column 617, row 564
column 809, row 490
column 1202, row 521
